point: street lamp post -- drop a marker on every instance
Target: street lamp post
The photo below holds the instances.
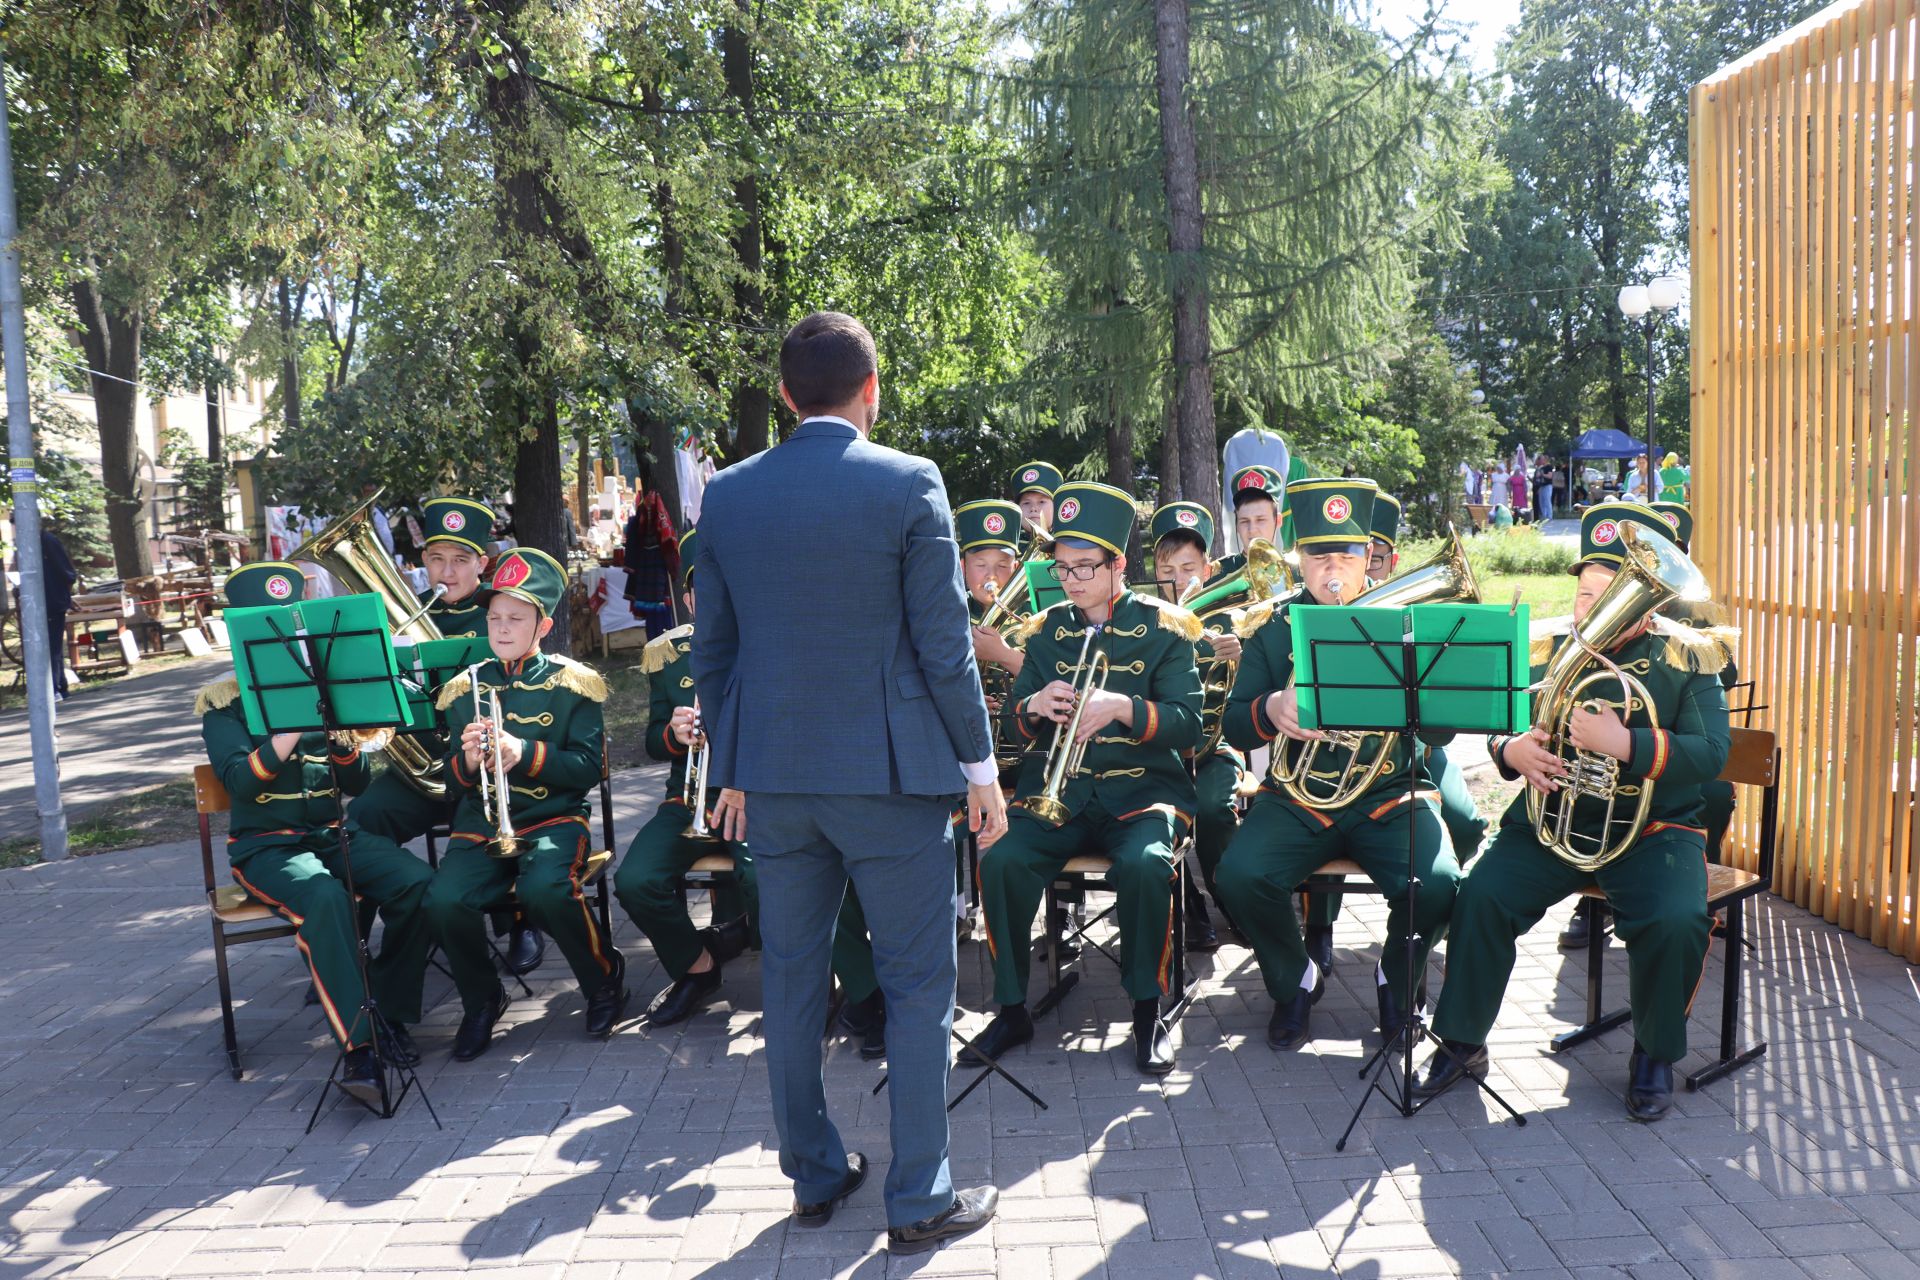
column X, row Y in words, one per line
column 1653, row 301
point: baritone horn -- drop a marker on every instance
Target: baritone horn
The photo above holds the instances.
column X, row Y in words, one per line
column 1066, row 752
column 1447, row 578
column 1653, row 572
column 1265, row 574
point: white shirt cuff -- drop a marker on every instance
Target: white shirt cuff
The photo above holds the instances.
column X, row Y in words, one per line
column 981, row 773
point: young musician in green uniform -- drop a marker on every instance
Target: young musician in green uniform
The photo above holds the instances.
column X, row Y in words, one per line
column 1255, row 492
column 1282, row 841
column 989, row 533
column 1132, row 798
column 1657, row 890
column 549, row 742
column 455, row 556
column 1181, row 534
column 283, row 844
column 1034, row 484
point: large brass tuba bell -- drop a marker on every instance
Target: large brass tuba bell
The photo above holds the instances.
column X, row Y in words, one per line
column 1265, row 574
column 1653, row 572
column 349, row 549
column 1445, row 579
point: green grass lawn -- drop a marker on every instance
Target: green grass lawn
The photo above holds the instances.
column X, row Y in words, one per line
column 1505, row 561
column 156, row 815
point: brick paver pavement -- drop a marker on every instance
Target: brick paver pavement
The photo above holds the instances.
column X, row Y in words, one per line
column 126, row 1150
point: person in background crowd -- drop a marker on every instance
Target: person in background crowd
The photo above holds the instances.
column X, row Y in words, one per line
column 1673, row 480
column 653, row 558
column 1517, row 489
column 1637, row 478
column 61, row 578
column 1499, row 493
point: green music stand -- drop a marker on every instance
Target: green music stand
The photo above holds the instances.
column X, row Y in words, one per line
column 1430, row 670
column 328, row 665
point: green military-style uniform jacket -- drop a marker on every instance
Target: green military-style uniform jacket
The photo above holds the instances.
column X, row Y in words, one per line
column 552, row 704
column 467, row 618
column 1131, row 772
column 669, row 687
column 1682, row 672
column 276, row 802
column 1266, row 665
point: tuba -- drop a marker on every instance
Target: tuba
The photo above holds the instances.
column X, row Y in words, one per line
column 1065, row 754
column 1265, row 574
column 1653, row 572
column 1445, row 579
column 349, row 550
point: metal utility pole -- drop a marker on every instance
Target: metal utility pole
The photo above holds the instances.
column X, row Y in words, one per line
column 26, row 514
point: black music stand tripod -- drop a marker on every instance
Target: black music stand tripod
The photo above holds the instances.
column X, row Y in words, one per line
column 316, row 653
column 1394, row 1058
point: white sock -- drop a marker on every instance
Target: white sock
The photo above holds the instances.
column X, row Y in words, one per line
column 1311, row 978
column 1379, row 976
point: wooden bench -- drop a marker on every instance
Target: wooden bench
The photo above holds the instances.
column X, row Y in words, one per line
column 1753, row 761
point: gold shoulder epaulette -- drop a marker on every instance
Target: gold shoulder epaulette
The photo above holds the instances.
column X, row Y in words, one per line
column 1182, row 622
column 581, row 679
column 213, row 697
column 1255, row 616
column 1031, row 627
column 660, row 651
column 454, row 690
column 1706, row 650
column 1543, row 637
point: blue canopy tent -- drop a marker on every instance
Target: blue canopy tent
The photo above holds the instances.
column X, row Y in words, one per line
column 1605, row 442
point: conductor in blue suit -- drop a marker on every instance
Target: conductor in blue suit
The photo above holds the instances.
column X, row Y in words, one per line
column 845, row 707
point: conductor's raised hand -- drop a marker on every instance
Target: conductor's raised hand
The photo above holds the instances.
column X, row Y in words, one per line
column 986, row 812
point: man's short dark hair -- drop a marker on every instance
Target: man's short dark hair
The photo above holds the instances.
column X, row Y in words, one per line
column 1174, row 537
column 1242, row 497
column 825, row 360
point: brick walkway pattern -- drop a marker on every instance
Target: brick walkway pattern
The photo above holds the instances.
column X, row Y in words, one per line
column 126, row 1150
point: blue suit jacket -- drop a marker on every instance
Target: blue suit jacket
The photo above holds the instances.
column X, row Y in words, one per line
column 832, row 651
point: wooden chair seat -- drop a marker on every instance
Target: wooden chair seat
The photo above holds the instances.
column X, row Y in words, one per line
column 1341, row 867
column 712, row 864
column 232, row 905
column 1087, row 864
column 1724, row 884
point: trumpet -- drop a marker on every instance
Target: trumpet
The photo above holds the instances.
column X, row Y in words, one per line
column 1066, row 752
column 1653, row 573
column 1447, row 578
column 496, row 794
column 693, row 790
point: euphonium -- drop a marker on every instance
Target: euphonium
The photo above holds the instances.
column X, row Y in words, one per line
column 1445, row 579
column 1652, row 573
column 1065, row 754
column 1265, row 574
column 349, row 550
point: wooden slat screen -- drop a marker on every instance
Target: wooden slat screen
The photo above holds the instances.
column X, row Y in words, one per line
column 1806, row 446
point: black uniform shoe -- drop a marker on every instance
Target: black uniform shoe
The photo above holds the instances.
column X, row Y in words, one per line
column 683, row 998
column 873, row 1045
column 1010, row 1028
column 605, row 1006
column 1579, row 930
column 725, row 942
column 476, row 1029
column 1649, row 1087
column 858, row 1016
column 1450, row 1064
column 1201, row 938
column 401, row 1050
column 1319, row 939
column 819, row 1215
column 1152, row 1046
column 1291, row 1023
column 360, row 1076
column 525, row 949
column 972, row 1209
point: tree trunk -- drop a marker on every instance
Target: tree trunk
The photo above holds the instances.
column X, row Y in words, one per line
column 752, row 402
column 110, row 336
column 1169, row 457
column 654, row 432
column 216, row 497
column 290, row 394
column 1193, row 369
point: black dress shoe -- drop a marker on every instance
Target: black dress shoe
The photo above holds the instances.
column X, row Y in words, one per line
column 1579, row 930
column 683, row 998
column 1010, row 1028
column 1450, row 1064
column 873, row 1045
column 1649, row 1087
column 476, row 1029
column 819, row 1215
column 360, row 1076
column 605, row 1006
column 401, row 1050
column 858, row 1016
column 972, row 1209
column 1319, row 939
column 1201, row 937
column 525, row 949
column 1291, row 1023
column 725, row 942
column 1152, row 1046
